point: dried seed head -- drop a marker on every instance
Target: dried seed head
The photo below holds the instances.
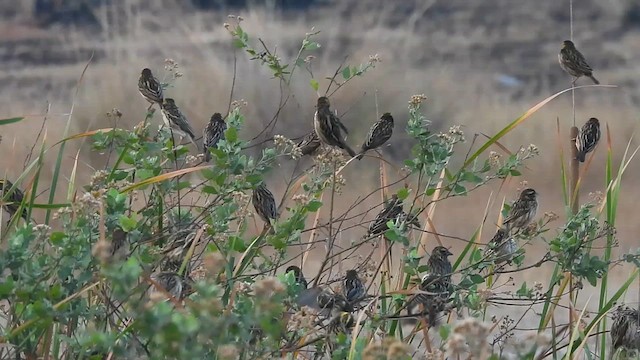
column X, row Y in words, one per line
column 456, row 345
column 551, row 216
column 268, row 286
column 417, row 99
column 101, row 250
column 228, row 352
column 374, row 59
column 213, row 263
column 301, row 199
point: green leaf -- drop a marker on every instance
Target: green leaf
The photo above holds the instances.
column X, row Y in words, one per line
column 391, row 234
column 209, row 173
column 477, row 279
column 237, row 244
column 314, row 205
column 6, row 287
column 238, row 43
column 403, row 193
column 314, row 84
column 346, row 73
column 231, row 135
column 459, row 189
column 277, row 243
column 144, row 174
column 523, row 291
column 311, row 45
column 128, row 224
column 444, row 330
column 471, row 177
column 56, row 238
column 11, row 120
column 183, row 185
column 209, row 190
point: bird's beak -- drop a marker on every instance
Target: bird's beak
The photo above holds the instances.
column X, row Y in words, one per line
column 449, row 253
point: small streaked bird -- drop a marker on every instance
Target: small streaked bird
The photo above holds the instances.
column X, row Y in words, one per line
column 297, row 274
column 119, row 244
column 379, row 134
column 327, row 299
column 341, row 322
column 437, row 283
column 522, row 211
column 174, row 284
column 391, row 210
column 213, row 132
column 150, row 88
column 409, row 219
column 501, row 248
column 353, row 287
column 309, row 143
column 175, row 120
column 439, row 264
column 625, row 330
column 587, row 138
column 264, row 203
column 328, row 126
column 11, row 200
column 573, row 62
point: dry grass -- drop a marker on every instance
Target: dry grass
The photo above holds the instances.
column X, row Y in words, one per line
column 454, row 68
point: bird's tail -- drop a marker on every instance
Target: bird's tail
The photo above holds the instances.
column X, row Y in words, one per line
column 207, row 155
column 594, row 79
column 350, row 150
column 193, row 141
column 581, row 156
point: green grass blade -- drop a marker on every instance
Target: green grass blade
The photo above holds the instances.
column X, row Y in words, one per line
column 58, row 166
column 11, row 120
column 521, row 119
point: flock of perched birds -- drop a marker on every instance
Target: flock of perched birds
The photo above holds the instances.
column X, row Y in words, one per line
column 435, row 287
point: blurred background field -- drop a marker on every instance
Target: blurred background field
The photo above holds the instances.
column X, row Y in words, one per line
column 481, row 64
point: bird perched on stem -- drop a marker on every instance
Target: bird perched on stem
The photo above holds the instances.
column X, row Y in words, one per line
column 501, row 248
column 439, row 264
column 213, row 132
column 353, row 288
column 265, row 204
column 573, row 62
column 150, row 88
column 392, row 211
column 176, row 121
column 341, row 322
column 297, row 274
column 309, row 143
column 625, row 330
column 175, row 285
column 328, row 126
column 379, row 134
column 587, row 138
column 436, row 284
column 327, row 299
column 522, row 211
column 11, row 200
